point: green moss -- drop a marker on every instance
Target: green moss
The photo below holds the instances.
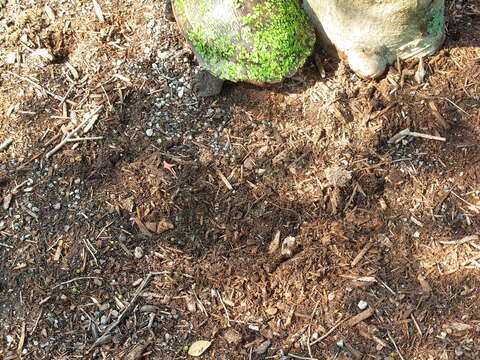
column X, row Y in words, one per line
column 436, row 19
column 253, row 40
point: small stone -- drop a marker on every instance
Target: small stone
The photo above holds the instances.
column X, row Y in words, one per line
column 459, row 351
column 11, row 57
column 362, row 305
column 104, row 320
column 114, row 313
column 57, row 206
column 340, row 343
column 263, row 347
column 148, row 308
column 206, row 84
column 138, row 252
column 104, row 307
column 97, row 282
column 416, row 234
column 254, row 327
column 149, row 132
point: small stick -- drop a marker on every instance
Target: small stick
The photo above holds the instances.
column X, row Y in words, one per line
column 6, row 144
column 416, row 324
column 39, row 87
column 464, row 240
column 86, row 139
column 295, row 356
column 75, row 279
column 395, row 345
column 324, row 336
column 361, row 254
column 406, row 132
column 224, row 307
column 21, row 342
column 474, row 207
column 458, row 107
column 127, row 308
column 73, row 132
column 225, row 180
column 36, row 322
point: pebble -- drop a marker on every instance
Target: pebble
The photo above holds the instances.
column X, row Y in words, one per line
column 340, row 343
column 11, row 57
column 97, row 282
column 57, row 206
column 362, row 305
column 263, row 347
column 138, row 252
column 148, row 308
column 459, row 351
column 149, row 132
column 104, row 307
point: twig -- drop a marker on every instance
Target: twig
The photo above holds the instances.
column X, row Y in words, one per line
column 395, row 345
column 224, row 307
column 36, row 322
column 416, row 324
column 406, row 132
column 21, row 342
column 6, row 144
column 39, row 87
column 76, row 279
column 295, row 356
column 458, row 107
column 127, row 308
column 91, row 249
column 474, row 207
column 225, row 180
column 73, row 132
column 324, row 336
column 86, row 139
column 464, row 240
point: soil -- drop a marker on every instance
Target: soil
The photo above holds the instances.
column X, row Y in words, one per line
column 275, row 222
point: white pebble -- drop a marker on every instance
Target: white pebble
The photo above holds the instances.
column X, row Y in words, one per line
column 138, row 252
column 149, row 132
column 362, row 305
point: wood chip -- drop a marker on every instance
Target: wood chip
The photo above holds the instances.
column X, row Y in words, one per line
column 137, row 352
column 232, row 336
column 275, row 244
column 225, row 180
column 441, row 121
column 360, row 317
column 426, row 288
column 6, row 144
column 98, row 11
column 361, row 254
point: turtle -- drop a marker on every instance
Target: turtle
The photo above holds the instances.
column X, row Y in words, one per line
column 255, row 41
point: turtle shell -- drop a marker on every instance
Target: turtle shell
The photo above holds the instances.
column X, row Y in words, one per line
column 260, row 41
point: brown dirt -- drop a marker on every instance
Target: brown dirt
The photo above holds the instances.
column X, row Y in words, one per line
column 373, row 222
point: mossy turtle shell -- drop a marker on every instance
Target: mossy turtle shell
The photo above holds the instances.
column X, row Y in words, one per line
column 259, row 41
